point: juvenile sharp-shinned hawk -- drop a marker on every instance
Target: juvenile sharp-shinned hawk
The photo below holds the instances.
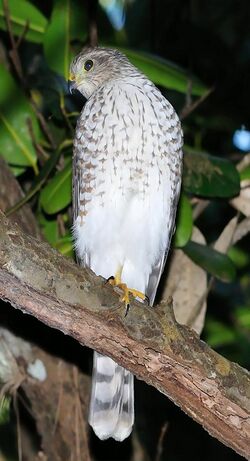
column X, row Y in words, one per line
column 126, row 179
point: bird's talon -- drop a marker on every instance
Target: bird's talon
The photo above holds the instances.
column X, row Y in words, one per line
column 115, row 281
column 111, row 280
column 127, row 309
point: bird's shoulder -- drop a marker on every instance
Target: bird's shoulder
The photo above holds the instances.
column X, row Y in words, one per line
column 123, row 94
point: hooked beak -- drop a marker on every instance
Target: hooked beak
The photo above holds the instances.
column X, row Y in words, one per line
column 71, row 85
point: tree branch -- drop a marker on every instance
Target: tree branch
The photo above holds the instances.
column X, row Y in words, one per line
column 148, row 342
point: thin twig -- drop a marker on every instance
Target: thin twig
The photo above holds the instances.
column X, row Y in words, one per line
column 42, row 155
column 159, row 449
column 242, row 230
column 65, row 115
column 43, row 124
column 61, row 225
column 188, row 109
column 19, row 438
column 24, row 403
column 188, row 96
column 199, row 208
column 84, row 430
column 13, row 53
column 24, row 32
column 244, row 163
column 60, row 396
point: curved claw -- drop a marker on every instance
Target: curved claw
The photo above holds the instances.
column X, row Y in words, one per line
column 116, row 282
column 127, row 309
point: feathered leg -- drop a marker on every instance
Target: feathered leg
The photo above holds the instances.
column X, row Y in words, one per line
column 111, row 412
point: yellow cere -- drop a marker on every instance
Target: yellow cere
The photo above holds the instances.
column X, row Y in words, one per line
column 71, row 76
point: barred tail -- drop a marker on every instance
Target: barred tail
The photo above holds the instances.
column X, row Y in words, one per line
column 111, row 412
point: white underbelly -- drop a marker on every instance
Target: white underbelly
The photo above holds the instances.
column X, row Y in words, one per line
column 129, row 231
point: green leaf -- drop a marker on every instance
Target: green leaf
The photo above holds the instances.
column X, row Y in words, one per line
column 41, row 178
column 15, row 140
column 23, row 14
column 245, row 174
column 209, row 176
column 239, row 257
column 242, row 315
column 219, row 334
column 49, row 228
column 184, row 222
column 163, row 72
column 5, row 409
column 17, row 170
column 67, row 22
column 65, row 246
column 51, row 233
column 56, row 195
column 212, row 261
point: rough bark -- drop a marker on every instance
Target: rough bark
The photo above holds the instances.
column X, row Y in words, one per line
column 212, row 390
column 58, row 404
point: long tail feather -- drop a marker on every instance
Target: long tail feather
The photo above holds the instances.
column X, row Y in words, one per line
column 111, row 412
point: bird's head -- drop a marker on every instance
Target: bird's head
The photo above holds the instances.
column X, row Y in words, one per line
column 94, row 66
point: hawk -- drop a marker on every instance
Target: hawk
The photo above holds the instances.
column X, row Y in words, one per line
column 127, row 165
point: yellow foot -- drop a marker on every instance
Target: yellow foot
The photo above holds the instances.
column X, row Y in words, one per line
column 116, row 282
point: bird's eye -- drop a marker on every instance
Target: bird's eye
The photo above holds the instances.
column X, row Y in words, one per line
column 88, row 65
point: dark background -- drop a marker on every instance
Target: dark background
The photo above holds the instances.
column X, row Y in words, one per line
column 211, row 40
